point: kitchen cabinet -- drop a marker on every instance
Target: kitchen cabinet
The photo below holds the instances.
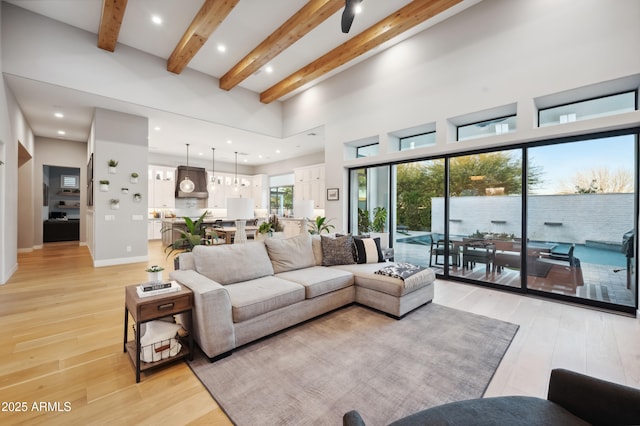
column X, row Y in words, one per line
column 154, row 227
column 162, row 187
column 309, row 185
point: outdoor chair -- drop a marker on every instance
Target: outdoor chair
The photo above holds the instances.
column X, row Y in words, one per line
column 478, row 252
column 438, row 250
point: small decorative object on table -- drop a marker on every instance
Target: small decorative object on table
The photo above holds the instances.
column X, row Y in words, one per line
column 155, row 273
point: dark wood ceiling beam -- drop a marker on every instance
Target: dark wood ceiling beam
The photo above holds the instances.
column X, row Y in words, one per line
column 298, row 25
column 400, row 21
column 208, row 18
column 110, row 23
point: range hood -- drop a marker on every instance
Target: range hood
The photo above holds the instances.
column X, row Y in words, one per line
column 199, row 177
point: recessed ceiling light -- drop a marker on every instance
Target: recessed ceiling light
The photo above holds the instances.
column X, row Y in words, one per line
column 62, row 132
column 277, row 151
column 229, row 141
column 259, row 155
column 157, row 128
column 358, row 9
column 156, row 19
column 222, row 48
column 58, row 114
column 245, row 160
column 269, row 69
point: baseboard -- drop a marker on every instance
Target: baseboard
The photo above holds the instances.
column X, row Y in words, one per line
column 120, row 261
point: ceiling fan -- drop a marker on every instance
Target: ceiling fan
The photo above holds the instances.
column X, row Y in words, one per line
column 349, row 13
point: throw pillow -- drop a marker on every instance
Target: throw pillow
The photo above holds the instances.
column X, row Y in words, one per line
column 232, row 263
column 290, row 253
column 368, row 250
column 337, row 251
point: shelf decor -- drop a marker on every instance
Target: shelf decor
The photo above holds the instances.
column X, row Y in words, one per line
column 113, row 164
column 124, row 190
column 115, row 203
column 104, row 186
column 137, row 197
column 134, row 177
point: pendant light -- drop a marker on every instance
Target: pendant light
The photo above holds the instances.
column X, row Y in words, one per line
column 235, row 181
column 187, row 184
column 212, row 183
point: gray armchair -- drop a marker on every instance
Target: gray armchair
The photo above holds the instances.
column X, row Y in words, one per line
column 572, row 399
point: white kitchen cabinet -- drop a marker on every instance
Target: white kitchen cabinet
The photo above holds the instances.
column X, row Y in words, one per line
column 154, row 229
column 309, row 185
column 162, row 187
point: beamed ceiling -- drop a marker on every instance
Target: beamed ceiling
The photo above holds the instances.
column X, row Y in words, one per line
column 275, row 48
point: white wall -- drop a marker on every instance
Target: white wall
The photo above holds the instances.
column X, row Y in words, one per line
column 494, row 54
column 595, row 217
column 119, row 236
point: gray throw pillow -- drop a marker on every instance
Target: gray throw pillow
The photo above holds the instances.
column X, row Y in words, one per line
column 290, row 253
column 337, row 251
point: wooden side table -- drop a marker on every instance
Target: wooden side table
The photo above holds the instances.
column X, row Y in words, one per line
column 145, row 309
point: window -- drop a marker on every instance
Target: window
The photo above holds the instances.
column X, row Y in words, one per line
column 281, row 200
column 482, row 129
column 367, row 150
column 69, row 181
column 417, row 141
column 584, row 110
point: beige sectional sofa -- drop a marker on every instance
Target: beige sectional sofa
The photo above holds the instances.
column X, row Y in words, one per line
column 243, row 292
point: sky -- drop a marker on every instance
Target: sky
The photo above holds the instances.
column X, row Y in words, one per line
column 561, row 162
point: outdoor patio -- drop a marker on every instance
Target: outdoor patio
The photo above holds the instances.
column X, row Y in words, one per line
column 602, row 282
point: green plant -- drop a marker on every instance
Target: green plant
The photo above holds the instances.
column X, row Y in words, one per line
column 265, row 228
column 134, row 175
column 104, row 182
column 364, row 221
column 154, row 268
column 114, row 201
column 190, row 236
column 319, row 225
column 379, row 219
column 113, row 163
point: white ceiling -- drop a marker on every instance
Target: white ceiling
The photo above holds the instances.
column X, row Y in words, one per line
column 248, row 24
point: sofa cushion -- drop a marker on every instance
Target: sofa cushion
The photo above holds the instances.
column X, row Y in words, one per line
column 232, row 263
column 290, row 253
column 256, row 297
column 368, row 250
column 319, row 280
column 365, row 276
column 337, row 250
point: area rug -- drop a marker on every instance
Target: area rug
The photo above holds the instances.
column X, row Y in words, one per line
column 358, row 359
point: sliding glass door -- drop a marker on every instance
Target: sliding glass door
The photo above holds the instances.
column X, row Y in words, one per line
column 485, row 213
column 578, row 217
column 419, row 206
column 556, row 219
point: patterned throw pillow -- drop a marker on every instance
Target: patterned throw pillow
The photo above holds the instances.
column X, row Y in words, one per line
column 368, row 250
column 337, row 251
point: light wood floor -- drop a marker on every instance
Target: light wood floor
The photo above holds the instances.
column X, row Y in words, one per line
column 62, row 343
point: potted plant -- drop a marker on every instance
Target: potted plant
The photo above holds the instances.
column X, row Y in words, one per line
column 134, row 177
column 154, row 273
column 104, row 185
column 377, row 226
column 190, row 236
column 137, row 197
column 124, row 190
column 115, row 203
column 264, row 231
column 113, row 164
column 364, row 222
column 321, row 224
